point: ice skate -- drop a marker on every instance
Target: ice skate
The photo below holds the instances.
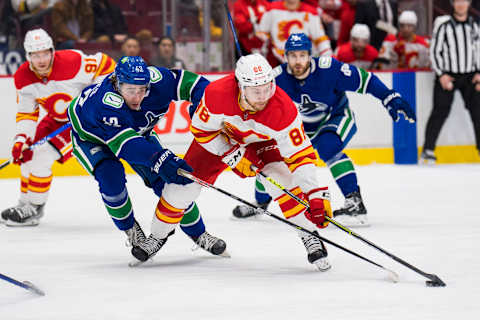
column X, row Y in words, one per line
column 427, row 157
column 212, row 244
column 26, row 215
column 354, row 213
column 135, row 235
column 5, row 213
column 244, row 211
column 148, row 248
column 316, row 251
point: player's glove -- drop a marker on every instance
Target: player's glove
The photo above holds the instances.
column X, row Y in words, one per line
column 319, row 200
column 236, row 159
column 166, row 166
column 395, row 105
column 20, row 151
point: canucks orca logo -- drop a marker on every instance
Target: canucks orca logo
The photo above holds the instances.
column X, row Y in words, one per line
column 152, row 120
column 308, row 106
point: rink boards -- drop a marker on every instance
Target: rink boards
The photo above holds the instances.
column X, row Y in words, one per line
column 377, row 140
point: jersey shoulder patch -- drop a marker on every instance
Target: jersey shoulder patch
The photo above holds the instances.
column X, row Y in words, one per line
column 277, row 71
column 155, row 74
column 112, row 99
column 324, row 62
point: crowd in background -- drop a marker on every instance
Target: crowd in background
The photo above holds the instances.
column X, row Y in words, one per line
column 373, row 34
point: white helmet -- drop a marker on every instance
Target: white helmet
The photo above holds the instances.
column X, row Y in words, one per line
column 253, row 70
column 408, row 17
column 37, row 40
column 360, row 31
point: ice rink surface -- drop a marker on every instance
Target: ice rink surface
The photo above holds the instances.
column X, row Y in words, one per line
column 428, row 216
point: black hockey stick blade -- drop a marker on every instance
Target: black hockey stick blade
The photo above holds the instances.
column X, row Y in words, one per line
column 434, row 281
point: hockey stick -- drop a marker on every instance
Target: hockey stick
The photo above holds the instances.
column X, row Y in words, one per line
column 41, row 141
column 25, row 284
column 232, row 27
column 392, row 275
column 434, row 281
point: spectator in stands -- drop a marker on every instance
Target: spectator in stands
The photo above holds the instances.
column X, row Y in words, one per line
column 109, row 23
column 291, row 16
column 380, row 16
column 166, row 55
column 246, row 16
column 347, row 20
column 358, row 51
column 72, row 21
column 455, row 58
column 145, row 38
column 406, row 50
column 31, row 12
column 130, row 47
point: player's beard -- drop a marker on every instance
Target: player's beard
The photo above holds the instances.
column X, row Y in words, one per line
column 300, row 70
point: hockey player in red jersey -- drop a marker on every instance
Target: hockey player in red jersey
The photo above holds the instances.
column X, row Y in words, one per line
column 406, row 50
column 247, row 15
column 50, row 80
column 358, row 50
column 245, row 119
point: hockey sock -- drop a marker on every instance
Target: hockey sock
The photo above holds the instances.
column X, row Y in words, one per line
column 120, row 209
column 110, row 176
column 261, row 195
column 329, row 147
column 344, row 174
column 192, row 222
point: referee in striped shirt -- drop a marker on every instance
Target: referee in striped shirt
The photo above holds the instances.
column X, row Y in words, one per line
column 455, row 57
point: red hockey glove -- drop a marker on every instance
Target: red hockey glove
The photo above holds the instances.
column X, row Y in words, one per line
column 319, row 200
column 20, row 151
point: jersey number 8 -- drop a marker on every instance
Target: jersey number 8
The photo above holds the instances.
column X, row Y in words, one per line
column 297, row 136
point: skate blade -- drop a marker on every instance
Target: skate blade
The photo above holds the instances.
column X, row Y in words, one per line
column 225, row 254
column 33, row 223
column 137, row 263
column 323, row 265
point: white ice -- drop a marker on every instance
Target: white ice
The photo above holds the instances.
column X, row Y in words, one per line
column 428, row 216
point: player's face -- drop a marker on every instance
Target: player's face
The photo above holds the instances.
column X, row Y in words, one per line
column 41, row 61
column 133, row 94
column 299, row 62
column 358, row 44
column 257, row 97
column 406, row 30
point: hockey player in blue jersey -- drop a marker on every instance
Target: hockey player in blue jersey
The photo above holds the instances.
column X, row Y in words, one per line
column 114, row 120
column 317, row 86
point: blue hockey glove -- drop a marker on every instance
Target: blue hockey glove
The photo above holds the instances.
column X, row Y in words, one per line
column 166, row 167
column 395, row 105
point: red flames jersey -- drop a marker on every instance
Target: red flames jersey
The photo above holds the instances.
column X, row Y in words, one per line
column 247, row 15
column 220, row 123
column 71, row 71
column 404, row 54
column 278, row 23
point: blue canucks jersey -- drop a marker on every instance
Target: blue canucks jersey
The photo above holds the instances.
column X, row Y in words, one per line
column 322, row 92
column 100, row 115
